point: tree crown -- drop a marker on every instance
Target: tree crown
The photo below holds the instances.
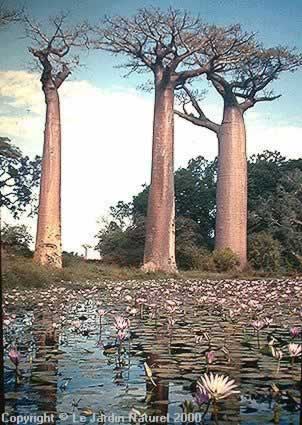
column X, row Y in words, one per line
column 172, row 43
column 52, row 50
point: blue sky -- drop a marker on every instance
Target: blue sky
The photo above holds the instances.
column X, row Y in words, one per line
column 107, row 123
column 275, row 22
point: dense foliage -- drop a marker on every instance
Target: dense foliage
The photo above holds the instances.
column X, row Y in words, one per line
column 19, row 176
column 16, row 239
column 274, row 226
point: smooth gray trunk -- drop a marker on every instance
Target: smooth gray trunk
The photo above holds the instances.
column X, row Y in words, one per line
column 159, row 254
column 231, row 219
column 48, row 249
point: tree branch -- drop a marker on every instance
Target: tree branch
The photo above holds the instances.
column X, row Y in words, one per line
column 201, row 122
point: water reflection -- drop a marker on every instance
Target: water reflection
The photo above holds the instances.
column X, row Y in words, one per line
column 34, row 389
column 72, row 365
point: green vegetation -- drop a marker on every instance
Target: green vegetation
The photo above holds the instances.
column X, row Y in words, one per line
column 19, row 177
column 21, row 272
column 274, row 224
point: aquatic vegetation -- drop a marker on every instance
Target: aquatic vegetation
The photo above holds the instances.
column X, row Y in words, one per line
column 14, row 356
column 295, row 350
column 181, row 332
column 217, row 386
column 210, row 357
column 121, row 324
column 201, row 396
column 295, row 331
column 149, row 373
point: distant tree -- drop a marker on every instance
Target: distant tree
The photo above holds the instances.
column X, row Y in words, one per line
column 19, row 176
column 7, row 149
column 122, row 244
column 274, row 209
column 280, row 214
column 167, row 44
column 195, row 188
column 86, row 247
column 265, row 171
column 52, row 53
column 241, row 87
column 195, row 191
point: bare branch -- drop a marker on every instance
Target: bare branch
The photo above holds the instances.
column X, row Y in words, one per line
column 52, row 49
column 249, row 103
column 189, row 97
column 171, row 41
column 200, row 122
column 8, row 16
column 249, row 79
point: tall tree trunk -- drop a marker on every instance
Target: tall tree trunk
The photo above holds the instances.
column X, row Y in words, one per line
column 48, row 241
column 159, row 252
column 231, row 219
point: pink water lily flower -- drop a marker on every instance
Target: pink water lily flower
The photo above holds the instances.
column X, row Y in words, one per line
column 210, row 357
column 121, row 335
column 258, row 324
column 295, row 331
column 295, row 350
column 121, row 323
column 14, row 356
column 201, row 397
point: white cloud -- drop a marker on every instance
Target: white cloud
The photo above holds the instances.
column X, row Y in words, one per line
column 107, row 143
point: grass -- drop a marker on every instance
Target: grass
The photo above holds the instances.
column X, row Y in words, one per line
column 22, row 272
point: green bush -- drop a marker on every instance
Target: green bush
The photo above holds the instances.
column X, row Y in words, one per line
column 264, row 252
column 194, row 258
column 190, row 257
column 225, row 260
column 16, row 240
column 189, row 253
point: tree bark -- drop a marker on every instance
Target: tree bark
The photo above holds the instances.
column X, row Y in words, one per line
column 48, row 249
column 231, row 198
column 159, row 254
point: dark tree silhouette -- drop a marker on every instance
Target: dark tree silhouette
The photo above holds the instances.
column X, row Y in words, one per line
column 173, row 46
column 8, row 150
column 241, row 87
column 19, row 176
column 52, row 53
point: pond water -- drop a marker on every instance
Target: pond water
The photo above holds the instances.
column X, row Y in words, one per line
column 73, row 367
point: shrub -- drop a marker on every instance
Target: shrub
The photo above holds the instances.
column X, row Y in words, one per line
column 16, row 239
column 264, row 252
column 191, row 258
column 225, row 260
column 123, row 247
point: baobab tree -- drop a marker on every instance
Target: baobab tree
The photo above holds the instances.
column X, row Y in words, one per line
column 240, row 87
column 52, row 53
column 86, row 247
column 166, row 44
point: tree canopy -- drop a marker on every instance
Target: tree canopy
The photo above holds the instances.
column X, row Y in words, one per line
column 275, row 205
column 52, row 49
column 172, row 42
column 19, row 176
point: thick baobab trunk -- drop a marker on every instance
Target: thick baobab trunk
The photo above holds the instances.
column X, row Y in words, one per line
column 48, row 249
column 159, row 252
column 231, row 220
